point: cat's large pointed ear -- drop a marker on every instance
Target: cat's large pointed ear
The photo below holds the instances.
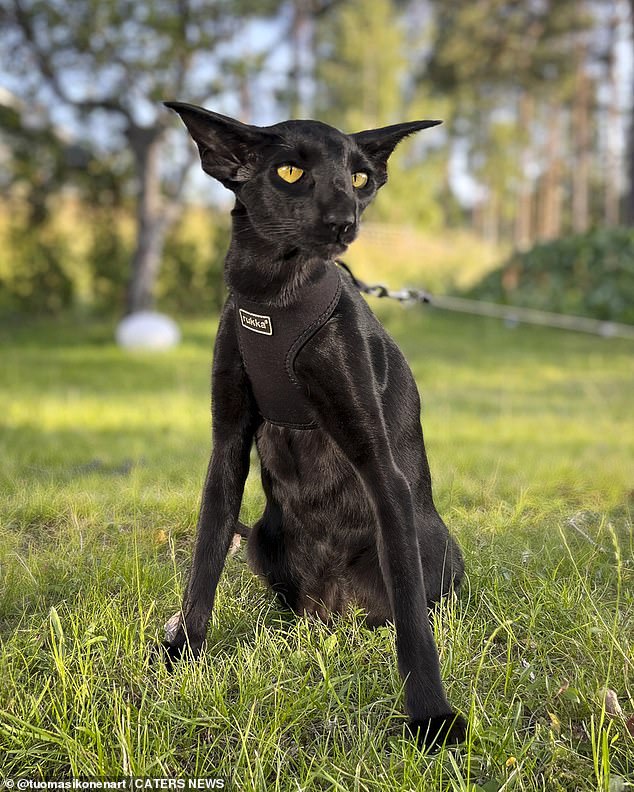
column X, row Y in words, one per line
column 378, row 144
column 228, row 148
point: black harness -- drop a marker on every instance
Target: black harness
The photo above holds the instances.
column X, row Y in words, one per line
column 270, row 339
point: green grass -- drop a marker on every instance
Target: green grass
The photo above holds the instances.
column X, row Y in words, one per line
column 530, row 435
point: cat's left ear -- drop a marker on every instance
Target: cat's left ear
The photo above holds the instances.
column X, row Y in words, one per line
column 378, row 144
column 228, row 148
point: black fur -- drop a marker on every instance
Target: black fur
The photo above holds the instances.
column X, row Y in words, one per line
column 349, row 513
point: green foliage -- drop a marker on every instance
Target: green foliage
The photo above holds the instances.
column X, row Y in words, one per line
column 504, row 43
column 362, row 65
column 588, row 274
column 107, row 265
column 33, row 277
column 78, row 259
column 54, row 266
column 191, row 280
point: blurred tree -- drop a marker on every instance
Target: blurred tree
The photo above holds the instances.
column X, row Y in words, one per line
column 42, row 158
column 305, row 15
column 108, row 64
column 41, row 161
column 361, row 65
column 505, row 62
column 362, row 80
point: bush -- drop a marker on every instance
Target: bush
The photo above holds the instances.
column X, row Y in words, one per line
column 73, row 258
column 33, row 278
column 191, row 279
column 108, row 266
column 78, row 258
column 589, row 274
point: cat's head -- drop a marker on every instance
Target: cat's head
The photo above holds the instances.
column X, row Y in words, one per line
column 304, row 184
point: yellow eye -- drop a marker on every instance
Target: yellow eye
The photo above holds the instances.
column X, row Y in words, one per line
column 359, row 179
column 290, row 173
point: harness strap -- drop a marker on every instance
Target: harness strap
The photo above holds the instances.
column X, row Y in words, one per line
column 271, row 337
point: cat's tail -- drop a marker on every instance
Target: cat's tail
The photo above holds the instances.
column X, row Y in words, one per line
column 243, row 530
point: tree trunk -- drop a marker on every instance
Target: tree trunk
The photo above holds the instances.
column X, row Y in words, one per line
column 551, row 187
column 298, row 32
column 244, row 91
column 491, row 218
column 613, row 166
column 477, row 224
column 152, row 221
column 629, row 205
column 630, row 148
column 582, row 142
column 523, row 216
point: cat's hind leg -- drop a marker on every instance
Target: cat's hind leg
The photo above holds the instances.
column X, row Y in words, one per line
column 368, row 584
column 268, row 558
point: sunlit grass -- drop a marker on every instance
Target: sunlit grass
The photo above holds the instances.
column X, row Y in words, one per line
column 530, row 435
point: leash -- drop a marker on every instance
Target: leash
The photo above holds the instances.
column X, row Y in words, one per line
column 512, row 315
column 404, row 295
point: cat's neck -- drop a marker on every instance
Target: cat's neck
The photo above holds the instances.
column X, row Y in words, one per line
column 260, row 270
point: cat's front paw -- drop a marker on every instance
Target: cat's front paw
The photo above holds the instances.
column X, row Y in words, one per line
column 431, row 733
column 177, row 644
column 170, row 652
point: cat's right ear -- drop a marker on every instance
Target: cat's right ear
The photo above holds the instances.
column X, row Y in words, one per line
column 378, row 144
column 228, row 148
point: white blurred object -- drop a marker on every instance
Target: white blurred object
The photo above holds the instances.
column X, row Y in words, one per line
column 147, row 330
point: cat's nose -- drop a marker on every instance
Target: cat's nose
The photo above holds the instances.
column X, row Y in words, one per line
column 339, row 224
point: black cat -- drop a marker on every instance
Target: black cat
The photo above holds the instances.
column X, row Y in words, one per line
column 302, row 366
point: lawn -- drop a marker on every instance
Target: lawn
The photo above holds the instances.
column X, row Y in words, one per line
column 530, row 436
